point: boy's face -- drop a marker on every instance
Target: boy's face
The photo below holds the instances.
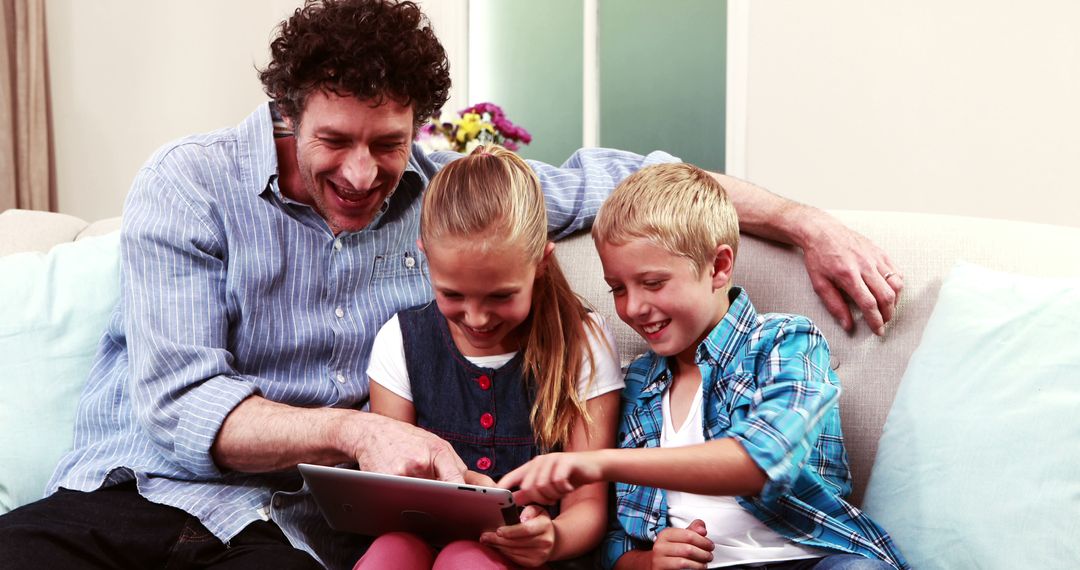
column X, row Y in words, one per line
column 659, row 295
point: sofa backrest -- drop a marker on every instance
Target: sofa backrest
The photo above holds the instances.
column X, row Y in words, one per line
column 923, row 246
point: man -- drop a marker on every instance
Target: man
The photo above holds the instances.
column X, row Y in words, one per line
column 258, row 263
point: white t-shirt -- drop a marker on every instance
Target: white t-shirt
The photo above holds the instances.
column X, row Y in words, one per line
column 740, row 538
column 387, row 366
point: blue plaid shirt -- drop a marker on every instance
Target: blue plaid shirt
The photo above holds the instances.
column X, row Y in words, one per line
column 766, row 383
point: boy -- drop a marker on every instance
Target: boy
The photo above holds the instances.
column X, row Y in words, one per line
column 732, row 450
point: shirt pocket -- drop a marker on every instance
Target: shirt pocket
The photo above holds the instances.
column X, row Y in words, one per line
column 399, row 265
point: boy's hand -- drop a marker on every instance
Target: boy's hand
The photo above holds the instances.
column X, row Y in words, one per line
column 678, row 548
column 547, row 478
column 528, row 543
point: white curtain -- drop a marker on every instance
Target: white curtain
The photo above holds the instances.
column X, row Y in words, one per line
column 26, row 170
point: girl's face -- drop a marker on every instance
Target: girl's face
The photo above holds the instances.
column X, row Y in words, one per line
column 484, row 295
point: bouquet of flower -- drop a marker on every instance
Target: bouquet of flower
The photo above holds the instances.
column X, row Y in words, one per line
column 480, row 124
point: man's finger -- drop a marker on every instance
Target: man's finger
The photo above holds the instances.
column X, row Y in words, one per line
column 834, row 302
column 866, row 302
column 883, row 294
column 447, row 466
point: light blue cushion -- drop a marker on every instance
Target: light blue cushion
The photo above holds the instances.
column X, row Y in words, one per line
column 53, row 311
column 979, row 462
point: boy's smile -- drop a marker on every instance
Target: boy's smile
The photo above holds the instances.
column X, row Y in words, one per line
column 659, row 295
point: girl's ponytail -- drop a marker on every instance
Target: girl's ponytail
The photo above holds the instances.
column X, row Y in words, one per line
column 494, row 198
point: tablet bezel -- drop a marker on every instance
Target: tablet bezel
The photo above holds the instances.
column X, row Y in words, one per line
column 372, row 504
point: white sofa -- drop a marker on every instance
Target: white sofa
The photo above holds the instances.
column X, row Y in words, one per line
column 924, row 247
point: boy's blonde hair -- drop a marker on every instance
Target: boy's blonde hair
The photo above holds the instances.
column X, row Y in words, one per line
column 679, row 207
column 493, row 198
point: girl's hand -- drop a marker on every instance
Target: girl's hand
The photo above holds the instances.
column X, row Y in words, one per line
column 547, row 478
column 682, row 548
column 528, row 543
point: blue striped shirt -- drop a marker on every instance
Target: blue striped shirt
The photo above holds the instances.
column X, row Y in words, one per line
column 766, row 382
column 230, row 289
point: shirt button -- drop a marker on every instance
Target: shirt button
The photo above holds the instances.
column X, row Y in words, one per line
column 487, row 420
column 277, row 502
column 484, row 382
column 410, row 262
column 341, row 378
column 337, row 245
column 483, row 464
column 339, row 312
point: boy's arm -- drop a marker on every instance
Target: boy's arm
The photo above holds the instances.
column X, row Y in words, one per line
column 718, row 467
column 762, row 455
column 795, row 401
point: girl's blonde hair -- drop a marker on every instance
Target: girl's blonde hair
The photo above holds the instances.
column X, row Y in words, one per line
column 493, row 198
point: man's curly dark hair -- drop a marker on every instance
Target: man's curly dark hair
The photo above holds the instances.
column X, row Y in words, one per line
column 368, row 49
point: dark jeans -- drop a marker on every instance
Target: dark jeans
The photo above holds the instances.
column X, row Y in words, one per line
column 117, row 528
column 834, row 562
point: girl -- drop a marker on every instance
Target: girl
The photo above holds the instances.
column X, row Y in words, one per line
column 505, row 365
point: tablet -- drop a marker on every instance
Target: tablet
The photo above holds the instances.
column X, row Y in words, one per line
column 374, row 503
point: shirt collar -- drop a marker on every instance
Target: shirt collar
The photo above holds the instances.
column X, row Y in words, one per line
column 255, row 141
column 719, row 347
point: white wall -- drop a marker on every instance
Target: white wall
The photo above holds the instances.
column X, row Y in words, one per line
column 130, row 75
column 966, row 107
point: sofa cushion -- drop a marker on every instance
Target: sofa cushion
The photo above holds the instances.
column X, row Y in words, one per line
column 978, row 461
column 53, row 310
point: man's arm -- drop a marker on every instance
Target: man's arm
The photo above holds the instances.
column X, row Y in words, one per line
column 837, row 258
column 195, row 407
column 260, row 435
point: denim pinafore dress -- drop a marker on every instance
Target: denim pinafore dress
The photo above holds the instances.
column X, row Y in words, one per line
column 482, row 412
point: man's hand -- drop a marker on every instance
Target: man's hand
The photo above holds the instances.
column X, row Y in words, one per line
column 674, row 549
column 547, row 478
column 837, row 258
column 528, row 543
column 385, row 445
column 841, row 259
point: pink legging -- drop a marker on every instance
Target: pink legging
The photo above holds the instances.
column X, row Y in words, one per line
column 405, row 551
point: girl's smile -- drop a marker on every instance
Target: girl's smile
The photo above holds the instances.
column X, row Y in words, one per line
column 484, row 291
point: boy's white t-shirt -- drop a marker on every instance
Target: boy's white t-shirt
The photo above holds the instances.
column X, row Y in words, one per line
column 739, row 537
column 387, row 365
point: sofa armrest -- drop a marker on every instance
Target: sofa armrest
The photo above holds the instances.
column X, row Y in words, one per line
column 30, row 230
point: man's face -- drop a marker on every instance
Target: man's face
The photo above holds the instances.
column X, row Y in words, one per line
column 350, row 156
column 659, row 295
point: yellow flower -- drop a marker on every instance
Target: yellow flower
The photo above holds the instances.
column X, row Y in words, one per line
column 468, row 127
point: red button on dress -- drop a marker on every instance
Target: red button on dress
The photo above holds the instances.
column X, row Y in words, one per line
column 483, row 464
column 487, row 420
column 484, row 382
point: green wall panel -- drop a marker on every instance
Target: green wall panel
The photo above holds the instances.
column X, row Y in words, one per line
column 531, row 55
column 662, row 77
